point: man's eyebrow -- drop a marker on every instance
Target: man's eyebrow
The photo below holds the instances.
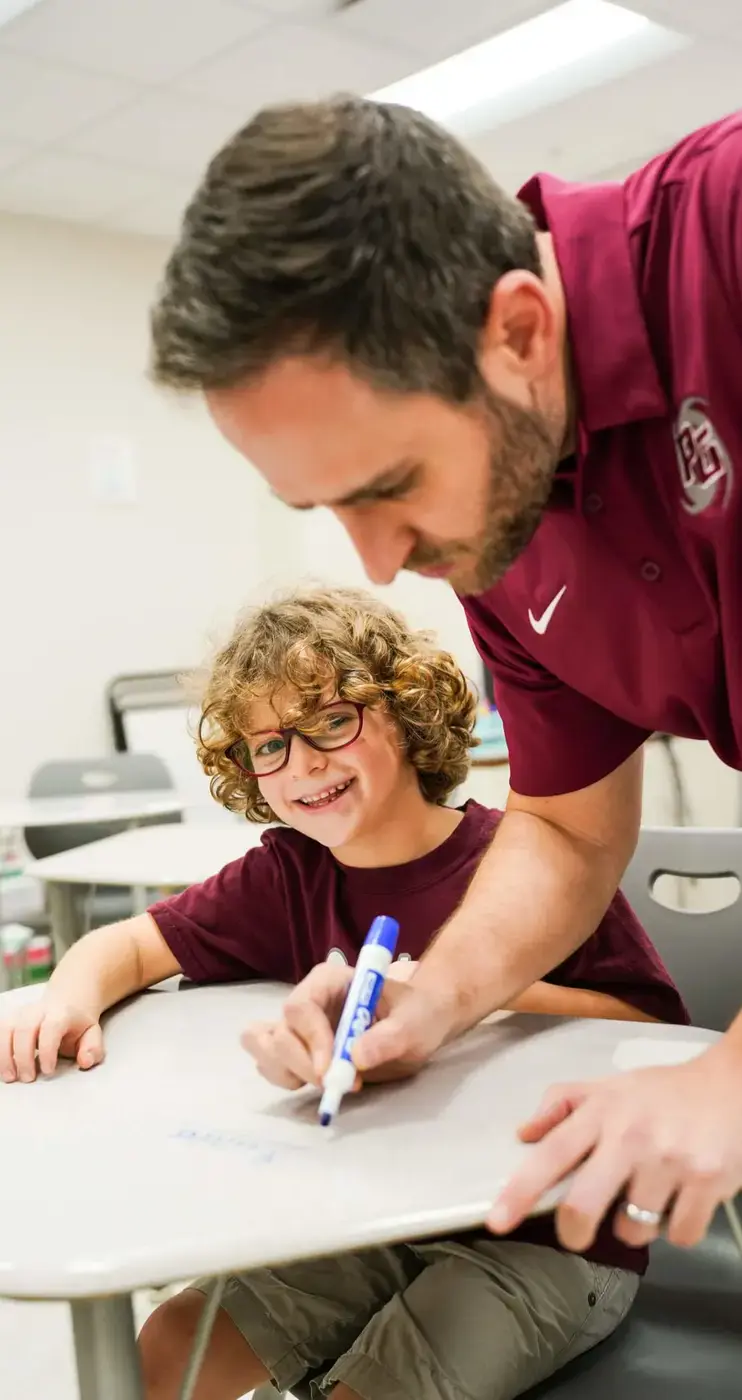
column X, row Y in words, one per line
column 373, row 490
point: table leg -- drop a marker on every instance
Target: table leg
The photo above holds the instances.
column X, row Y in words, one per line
column 65, row 910
column 106, row 1349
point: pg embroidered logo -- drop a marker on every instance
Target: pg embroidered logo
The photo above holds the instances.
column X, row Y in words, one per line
column 706, row 472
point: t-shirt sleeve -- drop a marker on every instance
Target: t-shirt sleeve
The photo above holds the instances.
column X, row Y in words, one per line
column 233, row 927
column 558, row 740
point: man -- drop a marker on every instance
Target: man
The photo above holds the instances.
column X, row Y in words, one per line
column 541, row 401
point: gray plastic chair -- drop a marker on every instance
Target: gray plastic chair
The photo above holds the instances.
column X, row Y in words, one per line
column 120, row 772
column 701, row 949
column 683, row 1337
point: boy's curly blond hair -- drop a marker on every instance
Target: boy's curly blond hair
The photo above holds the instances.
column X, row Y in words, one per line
column 327, row 642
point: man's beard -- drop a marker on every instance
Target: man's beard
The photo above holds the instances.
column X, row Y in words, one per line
column 523, row 457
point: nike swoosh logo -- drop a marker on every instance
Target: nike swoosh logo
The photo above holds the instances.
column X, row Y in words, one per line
column 540, row 624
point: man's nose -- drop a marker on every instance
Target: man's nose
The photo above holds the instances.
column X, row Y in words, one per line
column 383, row 545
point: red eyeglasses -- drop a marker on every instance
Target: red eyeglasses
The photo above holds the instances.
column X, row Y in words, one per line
column 333, row 727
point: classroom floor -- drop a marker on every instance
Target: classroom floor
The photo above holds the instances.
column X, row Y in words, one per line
column 36, row 1353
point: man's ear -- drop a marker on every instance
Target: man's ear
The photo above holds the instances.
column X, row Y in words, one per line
column 519, row 335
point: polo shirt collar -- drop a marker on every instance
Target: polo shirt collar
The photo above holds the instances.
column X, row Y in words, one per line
column 617, row 378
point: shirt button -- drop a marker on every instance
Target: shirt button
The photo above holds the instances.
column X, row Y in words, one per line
column 650, row 571
column 593, row 503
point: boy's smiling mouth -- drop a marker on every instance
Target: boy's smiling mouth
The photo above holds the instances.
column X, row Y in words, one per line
column 326, row 796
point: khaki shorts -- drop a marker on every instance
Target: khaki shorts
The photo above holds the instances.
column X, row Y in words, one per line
column 441, row 1321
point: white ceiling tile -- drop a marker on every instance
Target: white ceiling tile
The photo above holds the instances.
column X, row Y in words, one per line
column 297, row 9
column 436, row 30
column 40, row 102
column 149, row 41
column 620, row 124
column 11, row 152
column 163, row 131
column 293, row 62
column 712, row 19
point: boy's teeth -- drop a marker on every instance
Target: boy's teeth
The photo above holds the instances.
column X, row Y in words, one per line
column 322, row 796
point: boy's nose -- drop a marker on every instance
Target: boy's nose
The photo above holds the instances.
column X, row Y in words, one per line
column 304, row 759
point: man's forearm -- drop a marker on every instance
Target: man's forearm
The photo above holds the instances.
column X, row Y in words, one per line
column 539, row 892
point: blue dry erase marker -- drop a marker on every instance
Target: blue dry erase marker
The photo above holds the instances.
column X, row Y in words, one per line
column 374, row 961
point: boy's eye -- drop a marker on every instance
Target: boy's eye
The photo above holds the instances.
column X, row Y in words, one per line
column 335, row 722
column 269, row 748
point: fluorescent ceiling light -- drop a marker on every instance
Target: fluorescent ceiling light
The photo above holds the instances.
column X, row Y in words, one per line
column 573, row 46
column 10, row 9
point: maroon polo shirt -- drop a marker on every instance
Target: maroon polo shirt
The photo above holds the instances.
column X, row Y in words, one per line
column 286, row 905
column 624, row 614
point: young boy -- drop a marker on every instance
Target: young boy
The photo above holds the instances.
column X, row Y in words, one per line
column 326, row 713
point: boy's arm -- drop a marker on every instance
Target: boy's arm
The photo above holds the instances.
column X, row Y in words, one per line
column 112, row 963
column 103, row 968
column 547, row 999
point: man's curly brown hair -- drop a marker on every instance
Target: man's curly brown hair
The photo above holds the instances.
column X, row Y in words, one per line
column 327, row 642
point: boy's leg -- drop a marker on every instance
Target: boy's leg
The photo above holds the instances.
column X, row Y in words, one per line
column 482, row 1322
column 283, row 1324
column 230, row 1369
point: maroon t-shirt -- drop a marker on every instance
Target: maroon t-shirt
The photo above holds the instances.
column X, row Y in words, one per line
column 288, row 903
column 624, row 614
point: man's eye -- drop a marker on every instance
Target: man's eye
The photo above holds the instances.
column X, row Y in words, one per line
column 400, row 488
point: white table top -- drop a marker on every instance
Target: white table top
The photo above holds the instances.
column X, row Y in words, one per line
column 174, row 1158
column 93, row 807
column 168, row 856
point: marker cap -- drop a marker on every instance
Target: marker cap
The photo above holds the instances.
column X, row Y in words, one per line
column 384, row 932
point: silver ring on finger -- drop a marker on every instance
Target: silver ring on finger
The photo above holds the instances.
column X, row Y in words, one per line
column 639, row 1216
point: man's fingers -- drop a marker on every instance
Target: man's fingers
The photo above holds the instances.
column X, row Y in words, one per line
column 692, row 1212
column 384, row 1043
column 597, row 1184
column 90, row 1049
column 558, row 1154
column 276, row 1059
column 397, row 1037
column 310, row 1027
column 651, row 1187
column 295, row 1054
column 556, row 1105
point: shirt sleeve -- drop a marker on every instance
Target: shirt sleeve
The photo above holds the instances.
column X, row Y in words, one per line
column 558, row 740
column 233, row 927
column 719, row 212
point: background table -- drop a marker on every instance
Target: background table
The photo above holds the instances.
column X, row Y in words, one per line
column 151, row 857
column 175, row 1159
column 94, row 807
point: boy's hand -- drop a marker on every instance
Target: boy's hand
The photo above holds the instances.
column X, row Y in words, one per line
column 297, row 1050
column 49, row 1028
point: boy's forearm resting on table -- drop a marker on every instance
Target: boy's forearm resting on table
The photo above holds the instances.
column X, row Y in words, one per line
column 112, row 963
column 550, row 999
column 539, row 893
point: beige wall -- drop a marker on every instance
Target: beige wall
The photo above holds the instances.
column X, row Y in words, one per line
column 88, row 590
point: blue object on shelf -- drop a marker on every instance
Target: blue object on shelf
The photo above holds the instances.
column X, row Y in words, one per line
column 491, row 734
